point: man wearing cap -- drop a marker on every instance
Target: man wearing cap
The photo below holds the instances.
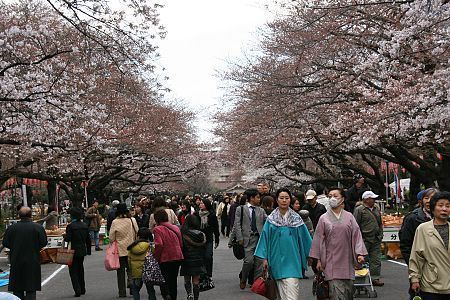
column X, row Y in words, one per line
column 315, row 209
column 368, row 218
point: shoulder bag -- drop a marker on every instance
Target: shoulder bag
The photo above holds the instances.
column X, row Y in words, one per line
column 112, row 257
column 151, row 272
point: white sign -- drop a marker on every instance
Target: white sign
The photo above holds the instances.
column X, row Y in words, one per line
column 390, row 235
column 102, row 230
column 54, row 242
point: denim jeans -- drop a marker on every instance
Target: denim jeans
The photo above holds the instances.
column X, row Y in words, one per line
column 136, row 285
column 94, row 236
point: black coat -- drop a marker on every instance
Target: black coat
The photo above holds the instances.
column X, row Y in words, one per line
column 352, row 196
column 142, row 221
column 110, row 218
column 315, row 212
column 212, row 229
column 193, row 252
column 25, row 240
column 78, row 235
column 408, row 230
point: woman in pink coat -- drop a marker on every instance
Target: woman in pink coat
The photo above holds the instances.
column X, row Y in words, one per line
column 338, row 246
column 168, row 252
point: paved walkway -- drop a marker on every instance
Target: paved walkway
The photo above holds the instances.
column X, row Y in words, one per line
column 101, row 284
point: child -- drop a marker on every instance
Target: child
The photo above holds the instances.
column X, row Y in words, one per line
column 193, row 251
column 137, row 252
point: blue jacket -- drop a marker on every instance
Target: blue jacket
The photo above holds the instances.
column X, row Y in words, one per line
column 285, row 248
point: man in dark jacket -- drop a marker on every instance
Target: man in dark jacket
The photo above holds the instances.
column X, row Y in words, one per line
column 111, row 214
column 78, row 236
column 418, row 216
column 25, row 240
column 94, row 220
column 142, row 218
column 355, row 192
column 314, row 208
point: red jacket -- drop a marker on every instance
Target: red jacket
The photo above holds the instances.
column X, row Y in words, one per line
column 168, row 243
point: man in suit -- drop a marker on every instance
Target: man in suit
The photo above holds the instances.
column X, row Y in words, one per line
column 247, row 233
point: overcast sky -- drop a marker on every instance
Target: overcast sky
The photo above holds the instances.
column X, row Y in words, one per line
column 202, row 36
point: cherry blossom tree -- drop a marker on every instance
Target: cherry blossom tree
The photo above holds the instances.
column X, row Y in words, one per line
column 80, row 99
column 342, row 86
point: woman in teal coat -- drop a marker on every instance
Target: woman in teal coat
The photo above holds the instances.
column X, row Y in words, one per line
column 284, row 246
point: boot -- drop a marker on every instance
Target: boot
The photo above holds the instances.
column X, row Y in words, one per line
column 196, row 291
column 188, row 288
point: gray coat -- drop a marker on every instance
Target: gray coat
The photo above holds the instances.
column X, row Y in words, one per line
column 243, row 232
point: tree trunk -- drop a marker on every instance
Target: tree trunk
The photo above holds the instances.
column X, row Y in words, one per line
column 444, row 174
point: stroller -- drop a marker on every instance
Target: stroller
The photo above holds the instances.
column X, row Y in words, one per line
column 363, row 283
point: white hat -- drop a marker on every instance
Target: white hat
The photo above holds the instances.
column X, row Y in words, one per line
column 310, row 194
column 369, row 194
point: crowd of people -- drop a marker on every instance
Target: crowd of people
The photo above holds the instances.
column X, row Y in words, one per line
column 329, row 230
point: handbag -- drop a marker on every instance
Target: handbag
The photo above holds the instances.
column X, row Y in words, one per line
column 206, row 283
column 271, row 288
column 151, row 272
column 112, row 257
column 320, row 287
column 238, row 249
column 265, row 286
column 259, row 286
column 64, row 256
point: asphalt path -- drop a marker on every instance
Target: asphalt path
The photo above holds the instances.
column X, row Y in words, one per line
column 101, row 284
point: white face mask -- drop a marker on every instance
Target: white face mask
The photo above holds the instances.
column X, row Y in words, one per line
column 334, row 202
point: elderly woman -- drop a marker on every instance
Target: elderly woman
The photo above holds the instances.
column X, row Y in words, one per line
column 338, row 246
column 429, row 263
column 123, row 230
column 284, row 246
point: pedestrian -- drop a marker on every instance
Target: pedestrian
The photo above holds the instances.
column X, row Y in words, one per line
column 186, row 210
column 77, row 234
column 123, row 230
column 240, row 200
column 321, row 196
column 368, row 217
column 338, row 247
column 315, row 209
column 355, row 192
column 410, row 223
column 168, row 252
column 267, row 204
column 284, row 246
column 247, row 234
column 210, row 227
column 223, row 212
column 137, row 252
column 197, row 202
column 24, row 240
column 142, row 218
column 160, row 204
column 429, row 263
column 111, row 214
column 50, row 222
column 94, row 222
column 193, row 252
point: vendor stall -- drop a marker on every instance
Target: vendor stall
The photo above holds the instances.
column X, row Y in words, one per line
column 55, row 240
column 391, row 239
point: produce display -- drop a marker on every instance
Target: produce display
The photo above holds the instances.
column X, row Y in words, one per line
column 392, row 220
column 55, row 231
